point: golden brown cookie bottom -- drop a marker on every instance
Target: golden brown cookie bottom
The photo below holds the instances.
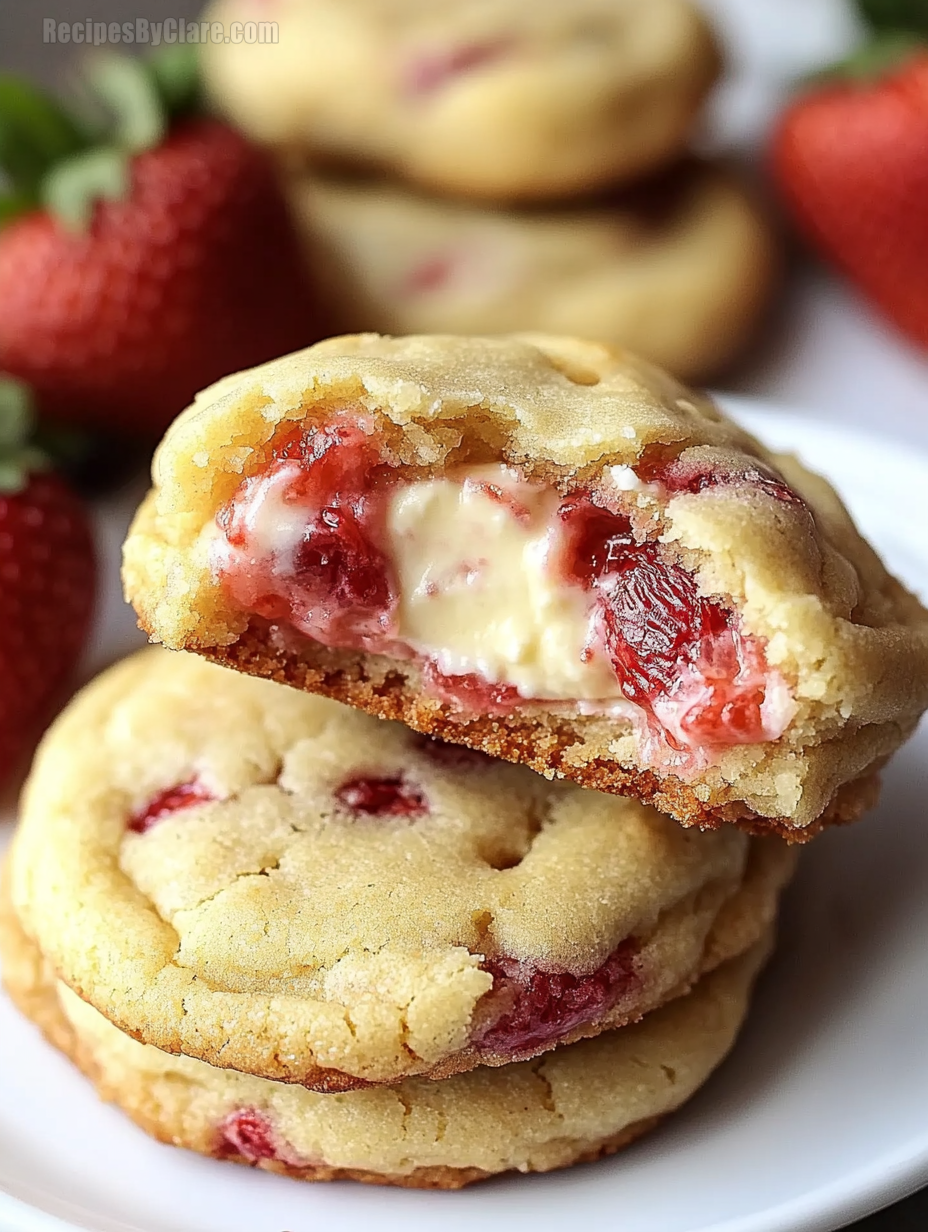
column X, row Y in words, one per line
column 541, row 742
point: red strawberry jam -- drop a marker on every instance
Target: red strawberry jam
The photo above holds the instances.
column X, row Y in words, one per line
column 172, row 800
column 544, row 1006
column 697, row 474
column 432, row 70
column 249, row 1133
column 470, row 692
column 323, row 569
column 676, row 653
column 391, row 796
column 307, row 542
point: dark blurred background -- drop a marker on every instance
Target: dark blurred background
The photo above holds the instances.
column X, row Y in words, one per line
column 21, row 46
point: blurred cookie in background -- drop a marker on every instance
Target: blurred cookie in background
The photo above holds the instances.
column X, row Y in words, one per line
column 494, row 99
column 678, row 269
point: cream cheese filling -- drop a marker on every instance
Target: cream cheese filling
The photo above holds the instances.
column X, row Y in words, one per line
column 480, row 592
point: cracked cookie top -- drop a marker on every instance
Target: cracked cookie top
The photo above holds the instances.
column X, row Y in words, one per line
column 274, row 883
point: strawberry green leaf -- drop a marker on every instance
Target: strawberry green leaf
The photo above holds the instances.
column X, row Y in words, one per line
column 71, row 190
column 176, row 70
column 16, row 469
column 34, row 134
column 17, row 421
column 17, row 416
column 129, row 90
column 911, row 15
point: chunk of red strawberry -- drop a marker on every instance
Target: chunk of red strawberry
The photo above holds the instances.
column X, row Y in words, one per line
column 676, row 653
column 470, row 691
column 382, row 796
column 166, row 803
column 247, row 1132
column 544, row 1006
column 335, row 583
column 699, row 474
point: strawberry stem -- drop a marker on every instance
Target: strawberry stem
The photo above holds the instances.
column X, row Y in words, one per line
column 72, row 188
column 176, row 70
column 130, row 92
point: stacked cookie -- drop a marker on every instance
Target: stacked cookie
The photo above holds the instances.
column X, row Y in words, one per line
column 299, row 901
column 536, row 151
column 280, row 930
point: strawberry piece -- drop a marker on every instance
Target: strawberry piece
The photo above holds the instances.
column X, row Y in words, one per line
column 171, row 800
column 431, row 71
column 248, row 1133
column 336, row 584
column 470, row 691
column 544, row 1006
column 676, row 653
column 849, row 159
column 388, row 796
column 695, row 475
column 47, row 578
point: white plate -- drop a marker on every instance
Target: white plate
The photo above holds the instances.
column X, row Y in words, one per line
column 819, row 1117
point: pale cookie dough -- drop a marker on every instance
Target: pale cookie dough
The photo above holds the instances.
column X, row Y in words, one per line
column 546, row 550
column 579, row 1103
column 275, row 883
column 679, row 269
column 507, row 99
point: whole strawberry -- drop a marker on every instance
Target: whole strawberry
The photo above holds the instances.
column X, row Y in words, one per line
column 850, row 157
column 47, row 573
column 142, row 262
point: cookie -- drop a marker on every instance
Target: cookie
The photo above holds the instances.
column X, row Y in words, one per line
column 271, row 882
column 546, row 550
column 497, row 99
column 578, row 1103
column 679, row 269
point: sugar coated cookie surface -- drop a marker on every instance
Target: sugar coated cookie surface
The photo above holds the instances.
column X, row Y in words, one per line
column 520, row 99
column 678, row 269
column 546, row 550
column 578, row 1103
column 272, row 882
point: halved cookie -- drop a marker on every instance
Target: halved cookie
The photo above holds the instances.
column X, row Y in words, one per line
column 545, row 550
